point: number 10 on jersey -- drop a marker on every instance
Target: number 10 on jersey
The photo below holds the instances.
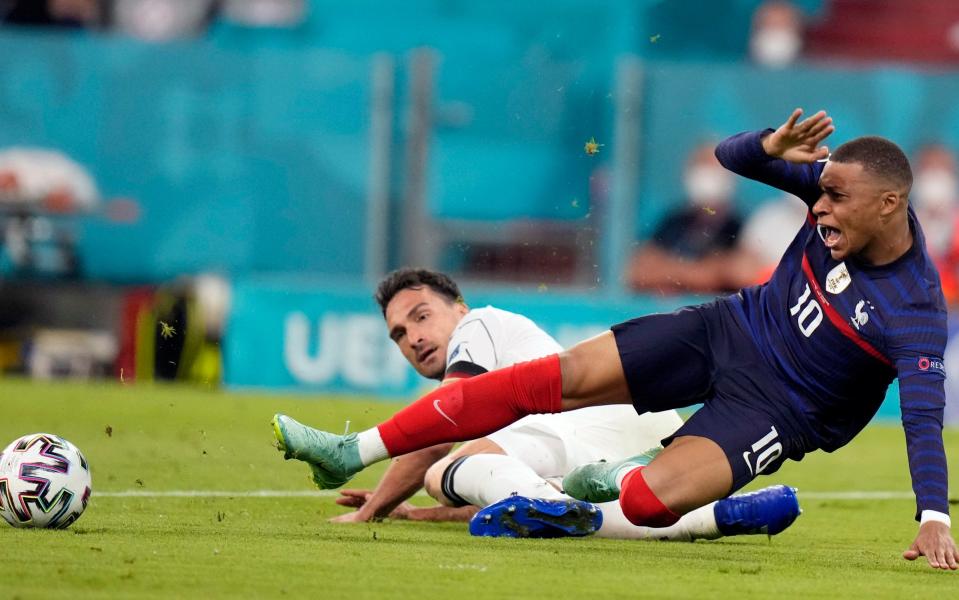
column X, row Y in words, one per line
column 808, row 313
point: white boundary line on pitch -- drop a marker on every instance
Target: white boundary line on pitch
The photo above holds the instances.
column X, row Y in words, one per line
column 879, row 495
column 858, row 495
column 218, row 494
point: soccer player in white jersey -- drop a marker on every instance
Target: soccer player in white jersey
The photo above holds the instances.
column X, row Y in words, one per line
column 513, row 468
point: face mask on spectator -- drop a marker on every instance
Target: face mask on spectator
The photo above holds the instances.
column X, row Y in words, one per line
column 708, row 186
column 775, row 46
column 934, row 190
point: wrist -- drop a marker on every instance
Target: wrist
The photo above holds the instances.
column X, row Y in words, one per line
column 764, row 142
column 367, row 513
column 934, row 515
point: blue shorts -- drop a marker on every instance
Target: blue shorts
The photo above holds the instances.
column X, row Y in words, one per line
column 702, row 354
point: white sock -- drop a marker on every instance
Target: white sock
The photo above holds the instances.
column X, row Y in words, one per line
column 699, row 524
column 623, row 472
column 482, row 479
column 371, row 447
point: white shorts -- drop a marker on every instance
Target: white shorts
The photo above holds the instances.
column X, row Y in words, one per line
column 553, row 445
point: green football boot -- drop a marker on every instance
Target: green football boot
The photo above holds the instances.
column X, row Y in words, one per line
column 334, row 459
column 596, row 482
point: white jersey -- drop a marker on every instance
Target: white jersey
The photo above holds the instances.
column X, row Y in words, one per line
column 492, row 339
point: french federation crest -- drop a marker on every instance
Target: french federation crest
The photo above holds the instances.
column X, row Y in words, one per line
column 838, row 279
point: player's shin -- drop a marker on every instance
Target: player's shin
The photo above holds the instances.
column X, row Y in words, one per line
column 472, row 408
column 482, row 479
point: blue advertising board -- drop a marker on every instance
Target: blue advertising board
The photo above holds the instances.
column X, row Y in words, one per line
column 332, row 338
column 315, row 337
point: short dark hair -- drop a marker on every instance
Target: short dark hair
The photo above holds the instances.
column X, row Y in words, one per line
column 878, row 156
column 408, row 277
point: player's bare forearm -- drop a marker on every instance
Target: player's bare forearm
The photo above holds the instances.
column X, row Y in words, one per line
column 403, row 478
column 442, row 513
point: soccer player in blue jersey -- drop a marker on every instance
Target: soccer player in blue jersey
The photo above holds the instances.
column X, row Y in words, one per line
column 797, row 364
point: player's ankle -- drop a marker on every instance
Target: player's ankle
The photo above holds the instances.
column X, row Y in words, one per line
column 622, row 472
column 371, row 448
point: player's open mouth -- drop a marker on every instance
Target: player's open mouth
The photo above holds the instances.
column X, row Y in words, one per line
column 422, row 357
column 829, row 235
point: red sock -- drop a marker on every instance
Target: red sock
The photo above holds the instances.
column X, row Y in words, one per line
column 471, row 408
column 640, row 504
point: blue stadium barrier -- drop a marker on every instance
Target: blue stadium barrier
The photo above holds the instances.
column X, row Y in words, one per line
column 255, row 159
column 329, row 336
column 242, row 162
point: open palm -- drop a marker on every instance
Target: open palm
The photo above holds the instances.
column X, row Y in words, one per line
column 798, row 141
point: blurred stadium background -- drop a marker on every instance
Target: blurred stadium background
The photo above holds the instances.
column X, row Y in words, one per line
column 243, row 171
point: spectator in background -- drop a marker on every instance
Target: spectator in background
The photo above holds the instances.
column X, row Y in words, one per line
column 154, row 20
column 160, row 20
column 264, row 13
column 64, row 13
column 691, row 249
column 39, row 188
column 935, row 198
column 776, row 38
column 765, row 236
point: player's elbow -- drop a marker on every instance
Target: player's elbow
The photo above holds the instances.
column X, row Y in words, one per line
column 720, row 153
column 919, row 418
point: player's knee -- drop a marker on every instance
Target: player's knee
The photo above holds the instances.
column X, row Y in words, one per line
column 591, row 372
column 433, row 481
column 439, row 481
column 572, row 372
column 640, row 505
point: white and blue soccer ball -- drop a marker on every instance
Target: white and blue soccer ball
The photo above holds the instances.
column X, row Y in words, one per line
column 44, row 482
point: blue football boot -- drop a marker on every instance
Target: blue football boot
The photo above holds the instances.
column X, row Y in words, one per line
column 521, row 517
column 769, row 510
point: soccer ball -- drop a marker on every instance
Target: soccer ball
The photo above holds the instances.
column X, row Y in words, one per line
column 44, row 482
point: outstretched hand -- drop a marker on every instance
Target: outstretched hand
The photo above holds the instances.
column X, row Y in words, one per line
column 353, row 498
column 798, row 141
column 936, row 544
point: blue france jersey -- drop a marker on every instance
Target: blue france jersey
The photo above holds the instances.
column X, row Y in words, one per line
column 838, row 333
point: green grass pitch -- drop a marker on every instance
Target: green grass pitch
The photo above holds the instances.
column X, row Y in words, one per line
column 145, row 544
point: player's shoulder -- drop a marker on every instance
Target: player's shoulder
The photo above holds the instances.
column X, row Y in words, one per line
column 486, row 314
column 499, row 320
column 490, row 318
column 919, row 306
column 922, row 285
column 918, row 276
column 496, row 317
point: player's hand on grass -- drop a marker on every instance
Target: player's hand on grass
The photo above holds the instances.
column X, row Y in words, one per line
column 357, row 516
column 798, row 141
column 402, row 511
column 936, row 544
column 353, row 498
column 357, row 499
